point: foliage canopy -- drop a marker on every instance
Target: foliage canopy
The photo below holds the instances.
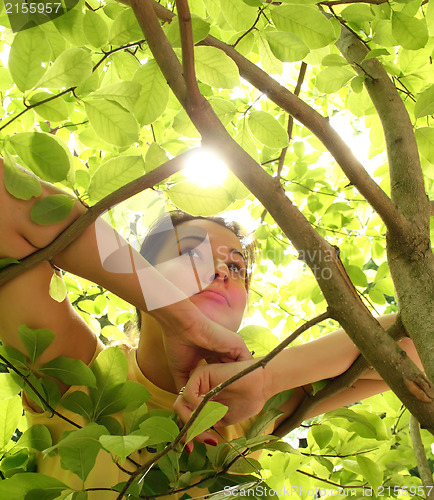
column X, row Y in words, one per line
column 86, row 104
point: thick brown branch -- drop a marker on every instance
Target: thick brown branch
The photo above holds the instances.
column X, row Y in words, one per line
column 186, row 31
column 76, row 228
column 407, row 185
column 158, row 43
column 319, row 125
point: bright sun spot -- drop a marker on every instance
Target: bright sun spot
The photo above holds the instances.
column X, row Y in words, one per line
column 206, row 169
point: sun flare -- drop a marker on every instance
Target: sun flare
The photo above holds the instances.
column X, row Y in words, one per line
column 206, row 169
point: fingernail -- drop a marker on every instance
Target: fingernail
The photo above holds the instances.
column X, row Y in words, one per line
column 211, row 442
column 189, row 448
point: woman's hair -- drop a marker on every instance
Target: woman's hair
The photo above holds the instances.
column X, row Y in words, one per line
column 152, row 245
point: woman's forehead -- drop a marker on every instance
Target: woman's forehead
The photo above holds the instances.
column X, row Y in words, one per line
column 217, row 233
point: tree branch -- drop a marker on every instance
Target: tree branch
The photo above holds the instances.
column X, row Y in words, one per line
column 187, row 44
column 78, row 226
column 209, row 395
column 407, row 185
column 421, row 459
column 158, row 43
column 393, row 365
column 335, row 386
column 319, row 125
column 297, row 90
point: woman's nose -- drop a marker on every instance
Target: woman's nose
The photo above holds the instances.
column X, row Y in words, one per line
column 221, row 271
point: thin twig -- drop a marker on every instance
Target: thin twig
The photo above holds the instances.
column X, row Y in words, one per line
column 33, row 388
column 213, row 392
column 251, row 28
column 421, row 458
column 297, row 90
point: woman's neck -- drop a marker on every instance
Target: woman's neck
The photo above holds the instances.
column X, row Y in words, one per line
column 151, row 354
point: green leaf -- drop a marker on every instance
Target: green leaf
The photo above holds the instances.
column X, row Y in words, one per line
column 425, row 142
column 29, row 51
column 258, row 339
column 112, row 122
column 78, row 402
column 36, row 437
column 357, row 13
column 267, row 130
column 44, row 154
column 125, row 29
column 371, row 470
column 216, row 68
column 154, row 95
column 8, row 386
column 51, row 209
column 70, row 69
column 55, row 110
column 158, row 429
column 18, row 182
column 70, row 371
column 425, row 103
column 20, row 485
column 306, row 22
column 125, row 93
column 95, row 29
column 57, row 288
column 7, row 262
column 114, row 174
column 10, row 414
column 322, row 435
column 238, row 16
column 155, row 156
column 263, row 423
column 278, row 400
column 35, row 341
column 332, row 79
column 409, row 32
column 78, row 451
column 210, row 415
column 199, row 200
column 317, row 386
column 110, row 370
column 286, row 46
column 110, row 367
column 199, row 26
column 122, row 446
column 357, row 276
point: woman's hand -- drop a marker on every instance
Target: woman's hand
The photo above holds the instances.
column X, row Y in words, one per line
column 244, row 398
column 189, row 336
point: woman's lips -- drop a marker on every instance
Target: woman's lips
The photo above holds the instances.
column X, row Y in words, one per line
column 216, row 294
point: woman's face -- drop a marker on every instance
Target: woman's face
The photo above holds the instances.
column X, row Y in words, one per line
column 205, row 260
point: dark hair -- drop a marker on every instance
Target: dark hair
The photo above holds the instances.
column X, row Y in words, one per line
column 151, row 245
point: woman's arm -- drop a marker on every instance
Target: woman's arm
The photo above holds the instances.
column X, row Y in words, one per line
column 294, row 368
column 25, row 299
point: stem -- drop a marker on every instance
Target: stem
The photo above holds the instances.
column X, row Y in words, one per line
column 421, row 458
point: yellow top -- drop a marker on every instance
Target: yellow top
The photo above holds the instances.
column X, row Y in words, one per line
column 105, row 472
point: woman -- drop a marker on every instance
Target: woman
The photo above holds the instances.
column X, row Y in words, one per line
column 174, row 337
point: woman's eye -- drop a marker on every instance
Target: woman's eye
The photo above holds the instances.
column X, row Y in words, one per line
column 191, row 252
column 237, row 268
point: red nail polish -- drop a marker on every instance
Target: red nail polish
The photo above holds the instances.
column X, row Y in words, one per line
column 188, row 448
column 211, row 442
